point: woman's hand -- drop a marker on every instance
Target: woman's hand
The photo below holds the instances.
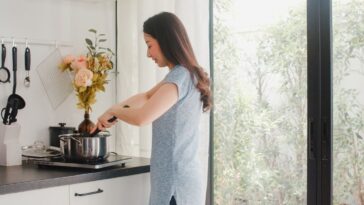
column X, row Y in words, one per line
column 103, row 121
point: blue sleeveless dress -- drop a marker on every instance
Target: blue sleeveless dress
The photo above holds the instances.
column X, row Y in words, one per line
column 175, row 167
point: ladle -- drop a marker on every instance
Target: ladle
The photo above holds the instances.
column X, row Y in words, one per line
column 4, row 72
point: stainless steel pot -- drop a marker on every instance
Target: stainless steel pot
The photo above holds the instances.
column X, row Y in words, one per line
column 77, row 148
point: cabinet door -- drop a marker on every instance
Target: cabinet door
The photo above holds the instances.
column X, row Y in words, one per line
column 129, row 190
column 54, row 195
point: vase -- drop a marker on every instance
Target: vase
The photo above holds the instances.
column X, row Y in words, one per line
column 86, row 125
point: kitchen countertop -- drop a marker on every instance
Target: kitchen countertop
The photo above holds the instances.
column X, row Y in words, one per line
column 29, row 177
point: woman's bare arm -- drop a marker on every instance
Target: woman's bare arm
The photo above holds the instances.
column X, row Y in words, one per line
column 163, row 98
column 140, row 99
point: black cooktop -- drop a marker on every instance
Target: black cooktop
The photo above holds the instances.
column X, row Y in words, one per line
column 111, row 160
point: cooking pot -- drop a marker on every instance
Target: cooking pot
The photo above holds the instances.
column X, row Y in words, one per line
column 54, row 132
column 79, row 148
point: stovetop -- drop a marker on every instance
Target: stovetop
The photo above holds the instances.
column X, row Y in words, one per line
column 111, row 160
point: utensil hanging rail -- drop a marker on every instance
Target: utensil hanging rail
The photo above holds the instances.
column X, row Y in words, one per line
column 28, row 41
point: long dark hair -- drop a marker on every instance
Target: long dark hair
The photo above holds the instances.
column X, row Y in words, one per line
column 173, row 40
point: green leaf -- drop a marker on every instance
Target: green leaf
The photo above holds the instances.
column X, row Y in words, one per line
column 89, row 49
column 88, row 41
column 102, row 40
column 110, row 51
column 100, row 53
column 92, row 30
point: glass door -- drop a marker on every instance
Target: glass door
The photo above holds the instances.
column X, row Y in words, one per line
column 348, row 102
column 260, row 102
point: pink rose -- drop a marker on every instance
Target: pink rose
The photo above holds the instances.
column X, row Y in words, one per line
column 83, row 77
column 79, row 63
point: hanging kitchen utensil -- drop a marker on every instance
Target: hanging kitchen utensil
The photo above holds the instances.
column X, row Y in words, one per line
column 27, row 64
column 15, row 102
column 4, row 72
column 57, row 84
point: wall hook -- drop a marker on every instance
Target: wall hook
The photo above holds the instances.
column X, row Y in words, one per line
column 26, row 42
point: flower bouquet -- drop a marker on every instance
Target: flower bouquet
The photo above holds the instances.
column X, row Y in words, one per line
column 90, row 73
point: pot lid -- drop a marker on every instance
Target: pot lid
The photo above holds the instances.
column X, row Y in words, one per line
column 62, row 125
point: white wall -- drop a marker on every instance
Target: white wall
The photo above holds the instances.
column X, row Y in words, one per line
column 53, row 20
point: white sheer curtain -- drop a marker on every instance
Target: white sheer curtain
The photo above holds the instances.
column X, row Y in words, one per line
column 137, row 73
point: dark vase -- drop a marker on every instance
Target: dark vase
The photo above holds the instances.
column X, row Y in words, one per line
column 86, row 125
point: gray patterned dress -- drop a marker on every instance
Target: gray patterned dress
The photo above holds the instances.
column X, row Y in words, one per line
column 175, row 167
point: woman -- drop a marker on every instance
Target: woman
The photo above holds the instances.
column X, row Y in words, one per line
column 174, row 106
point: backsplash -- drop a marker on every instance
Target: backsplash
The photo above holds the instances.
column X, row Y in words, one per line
column 45, row 25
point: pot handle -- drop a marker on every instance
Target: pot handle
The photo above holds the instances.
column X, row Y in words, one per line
column 77, row 140
column 69, row 137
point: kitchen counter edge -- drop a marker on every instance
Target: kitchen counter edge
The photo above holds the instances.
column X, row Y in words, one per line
column 28, row 177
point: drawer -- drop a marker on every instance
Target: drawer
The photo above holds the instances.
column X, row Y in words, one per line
column 128, row 190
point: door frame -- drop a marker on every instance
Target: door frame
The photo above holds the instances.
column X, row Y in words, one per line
column 319, row 105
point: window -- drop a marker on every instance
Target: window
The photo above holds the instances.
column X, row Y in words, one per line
column 260, row 95
column 348, row 101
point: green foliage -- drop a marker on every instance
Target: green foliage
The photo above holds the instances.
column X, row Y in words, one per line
column 348, row 146
column 260, row 147
column 94, row 46
column 250, row 167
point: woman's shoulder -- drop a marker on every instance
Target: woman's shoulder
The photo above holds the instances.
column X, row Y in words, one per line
column 179, row 74
column 180, row 68
column 178, row 71
column 182, row 72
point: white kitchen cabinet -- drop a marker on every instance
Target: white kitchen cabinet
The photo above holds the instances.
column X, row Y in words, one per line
column 127, row 190
column 130, row 190
column 54, row 195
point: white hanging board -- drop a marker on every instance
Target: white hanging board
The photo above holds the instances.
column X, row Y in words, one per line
column 57, row 84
